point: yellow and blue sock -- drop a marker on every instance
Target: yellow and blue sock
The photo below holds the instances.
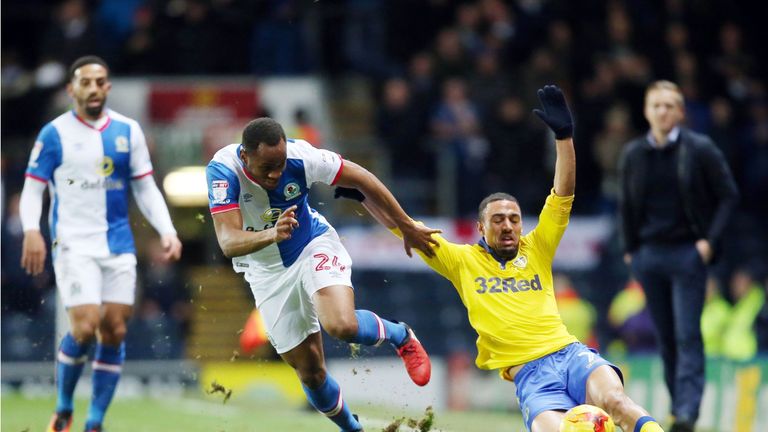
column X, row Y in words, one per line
column 647, row 424
column 107, row 366
column 372, row 330
column 328, row 400
column 70, row 360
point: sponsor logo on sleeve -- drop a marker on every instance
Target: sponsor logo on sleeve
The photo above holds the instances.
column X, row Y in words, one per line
column 121, row 144
column 219, row 188
column 38, row 147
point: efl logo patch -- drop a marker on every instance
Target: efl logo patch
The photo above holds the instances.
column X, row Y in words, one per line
column 291, row 190
column 121, row 144
column 219, row 190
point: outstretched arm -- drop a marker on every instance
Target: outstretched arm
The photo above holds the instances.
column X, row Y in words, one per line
column 558, row 118
column 385, row 208
column 354, row 194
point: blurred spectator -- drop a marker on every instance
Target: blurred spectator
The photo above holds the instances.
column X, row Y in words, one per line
column 115, row 21
column 142, row 48
column 365, row 37
column 304, row 128
column 163, row 311
column 467, row 25
column 729, row 329
column 278, row 46
column 609, row 143
column 578, row 315
column 451, row 58
column 423, row 85
column 488, row 84
column 400, row 128
column 724, row 133
column 629, row 317
column 520, row 151
column 456, row 128
column 70, row 35
column 195, row 48
column 20, row 291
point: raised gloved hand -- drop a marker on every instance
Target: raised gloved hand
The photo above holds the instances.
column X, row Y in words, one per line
column 349, row 193
column 555, row 113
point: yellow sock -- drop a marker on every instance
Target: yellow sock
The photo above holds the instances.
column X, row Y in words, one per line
column 651, row 426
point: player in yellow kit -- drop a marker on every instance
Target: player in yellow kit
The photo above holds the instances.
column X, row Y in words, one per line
column 505, row 282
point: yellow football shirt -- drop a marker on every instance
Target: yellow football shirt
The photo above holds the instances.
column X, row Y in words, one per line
column 511, row 306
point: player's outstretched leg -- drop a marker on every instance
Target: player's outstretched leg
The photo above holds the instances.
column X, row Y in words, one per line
column 373, row 330
column 70, row 360
column 327, row 398
column 323, row 392
column 107, row 366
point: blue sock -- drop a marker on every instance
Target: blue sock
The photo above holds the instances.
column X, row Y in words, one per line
column 328, row 400
column 643, row 420
column 107, row 365
column 70, row 360
column 372, row 330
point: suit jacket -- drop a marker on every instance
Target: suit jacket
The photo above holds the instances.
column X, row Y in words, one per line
column 707, row 188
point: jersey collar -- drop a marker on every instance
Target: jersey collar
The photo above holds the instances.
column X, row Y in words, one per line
column 99, row 125
column 500, row 260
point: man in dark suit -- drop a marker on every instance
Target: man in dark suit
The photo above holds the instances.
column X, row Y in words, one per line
column 676, row 196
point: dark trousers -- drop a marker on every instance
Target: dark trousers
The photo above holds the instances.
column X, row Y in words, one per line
column 674, row 280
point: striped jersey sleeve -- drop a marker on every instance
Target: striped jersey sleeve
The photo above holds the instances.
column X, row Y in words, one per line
column 223, row 188
column 46, row 154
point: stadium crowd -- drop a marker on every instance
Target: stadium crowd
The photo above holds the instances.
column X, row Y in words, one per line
column 447, row 77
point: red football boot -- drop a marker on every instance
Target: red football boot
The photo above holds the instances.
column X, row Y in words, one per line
column 60, row 422
column 415, row 358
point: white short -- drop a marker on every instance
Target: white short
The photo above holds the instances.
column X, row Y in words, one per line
column 87, row 280
column 285, row 298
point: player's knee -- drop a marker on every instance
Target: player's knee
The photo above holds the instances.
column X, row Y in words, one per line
column 616, row 402
column 113, row 333
column 312, row 377
column 342, row 328
column 84, row 330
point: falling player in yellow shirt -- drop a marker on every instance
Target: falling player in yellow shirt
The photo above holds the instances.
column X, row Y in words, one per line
column 505, row 282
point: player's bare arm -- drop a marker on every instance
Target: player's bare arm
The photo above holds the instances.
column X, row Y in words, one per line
column 385, row 208
column 33, row 249
column 557, row 116
column 235, row 242
column 33, row 252
column 152, row 205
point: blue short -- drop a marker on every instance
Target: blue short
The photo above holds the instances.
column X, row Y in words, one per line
column 557, row 381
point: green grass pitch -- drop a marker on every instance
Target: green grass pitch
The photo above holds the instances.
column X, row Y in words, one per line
column 208, row 414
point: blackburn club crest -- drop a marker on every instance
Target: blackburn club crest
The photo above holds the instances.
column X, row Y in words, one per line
column 291, row 190
column 121, row 144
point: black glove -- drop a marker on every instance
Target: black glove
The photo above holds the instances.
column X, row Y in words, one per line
column 556, row 113
column 349, row 193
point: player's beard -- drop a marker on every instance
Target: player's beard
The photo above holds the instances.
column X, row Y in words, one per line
column 94, row 111
column 508, row 253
